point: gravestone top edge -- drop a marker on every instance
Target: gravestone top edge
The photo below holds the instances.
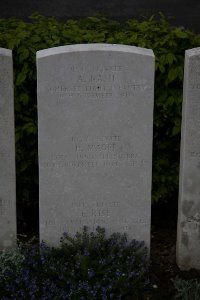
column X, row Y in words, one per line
column 94, row 47
column 192, row 52
column 5, row 52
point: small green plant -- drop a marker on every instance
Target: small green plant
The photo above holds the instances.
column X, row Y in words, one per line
column 89, row 266
column 187, row 289
column 10, row 259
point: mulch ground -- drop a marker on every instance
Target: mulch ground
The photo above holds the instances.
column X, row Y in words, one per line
column 163, row 265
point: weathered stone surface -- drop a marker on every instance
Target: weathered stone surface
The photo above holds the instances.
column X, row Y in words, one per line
column 95, row 114
column 188, row 233
column 7, row 153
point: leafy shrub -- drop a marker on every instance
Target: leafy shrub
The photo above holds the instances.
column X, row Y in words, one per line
column 187, row 289
column 10, row 260
column 168, row 44
column 88, row 266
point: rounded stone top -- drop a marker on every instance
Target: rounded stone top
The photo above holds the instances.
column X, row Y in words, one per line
column 5, row 52
column 94, row 47
column 193, row 52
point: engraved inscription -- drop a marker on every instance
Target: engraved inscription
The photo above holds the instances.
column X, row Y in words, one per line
column 5, row 125
column 99, row 204
column 5, row 206
column 195, row 86
column 122, row 225
column 94, row 152
column 97, row 83
column 195, row 154
column 3, row 75
column 96, row 91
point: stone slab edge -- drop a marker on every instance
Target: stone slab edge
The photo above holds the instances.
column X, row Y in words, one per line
column 8, row 52
column 94, row 47
column 5, row 52
column 188, row 53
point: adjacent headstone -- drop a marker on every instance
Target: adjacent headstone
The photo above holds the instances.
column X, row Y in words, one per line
column 188, row 233
column 7, row 153
column 95, row 114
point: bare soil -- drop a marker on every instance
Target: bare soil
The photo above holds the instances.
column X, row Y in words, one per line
column 163, row 267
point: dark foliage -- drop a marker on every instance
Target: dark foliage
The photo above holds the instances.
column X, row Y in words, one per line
column 88, row 266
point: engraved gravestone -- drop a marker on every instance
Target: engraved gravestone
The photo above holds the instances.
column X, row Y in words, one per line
column 95, row 114
column 188, row 229
column 7, row 153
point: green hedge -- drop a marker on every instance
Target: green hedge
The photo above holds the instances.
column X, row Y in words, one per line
column 168, row 44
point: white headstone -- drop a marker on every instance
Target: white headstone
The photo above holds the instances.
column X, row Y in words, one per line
column 95, row 114
column 7, row 153
column 188, row 234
